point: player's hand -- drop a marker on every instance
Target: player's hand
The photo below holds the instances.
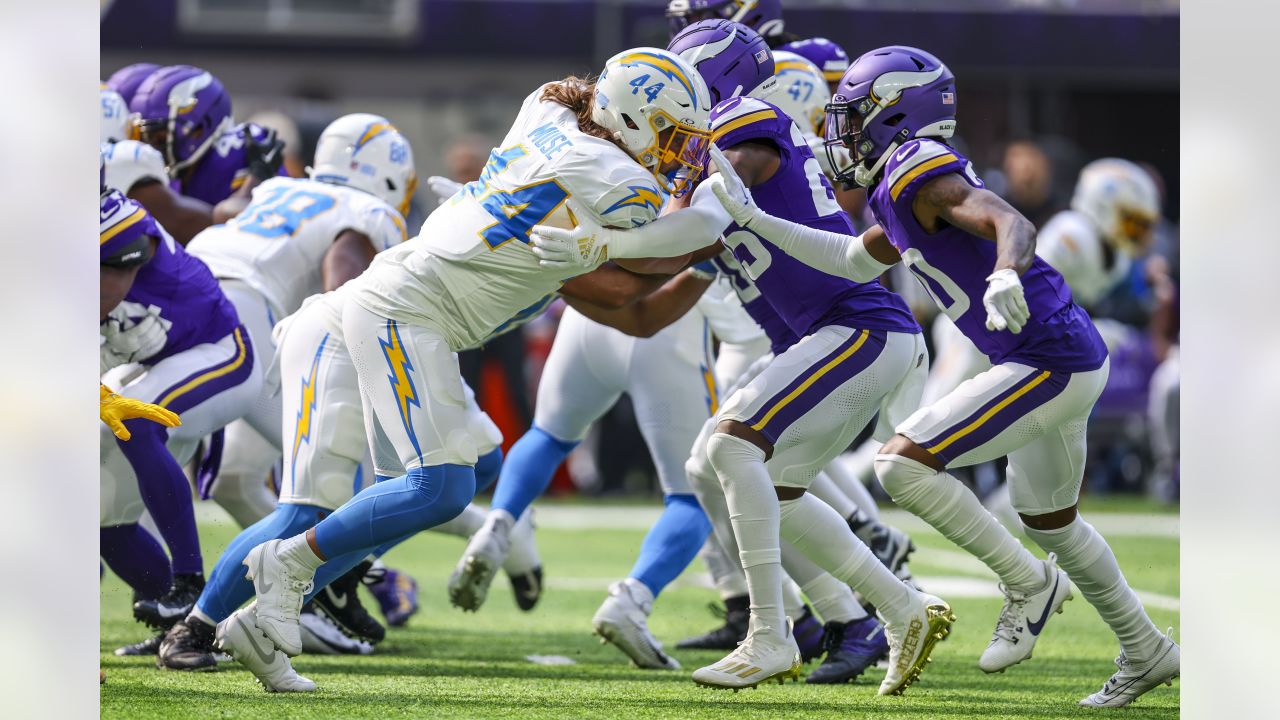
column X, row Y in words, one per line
column 264, row 157
column 1004, row 301
column 731, row 192
column 582, row 248
column 442, row 187
column 136, row 342
column 115, row 409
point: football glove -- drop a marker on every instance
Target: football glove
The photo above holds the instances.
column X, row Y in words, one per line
column 442, row 187
column 731, row 192
column 265, row 156
column 115, row 409
column 1004, row 301
column 582, row 248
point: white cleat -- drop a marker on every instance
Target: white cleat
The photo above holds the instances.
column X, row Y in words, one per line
column 759, row 658
column 1132, row 679
column 522, row 550
column 471, row 578
column 279, row 589
column 622, row 620
column 911, row 642
column 321, row 636
column 1023, row 619
column 240, row 636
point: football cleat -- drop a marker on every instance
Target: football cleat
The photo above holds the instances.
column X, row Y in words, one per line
column 163, row 612
column 1132, row 679
column 890, row 545
column 911, row 641
column 340, row 602
column 623, row 620
column 187, row 646
column 150, row 646
column 527, row 587
column 321, row 636
column 240, row 636
column 808, row 634
column 396, row 593
column 1023, row 618
column 279, row 589
column 736, row 615
column 851, row 648
column 469, row 583
column 759, row 658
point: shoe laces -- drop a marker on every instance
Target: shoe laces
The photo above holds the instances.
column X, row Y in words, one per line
column 833, row 636
column 1007, row 625
column 302, row 588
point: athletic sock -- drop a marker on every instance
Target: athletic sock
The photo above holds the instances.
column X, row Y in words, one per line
column 793, row 604
column 825, row 489
column 165, row 491
column 831, row 599
column 672, row 543
column 753, row 512
column 528, row 469
column 135, row 557
column 854, row 484
column 823, row 536
column 420, row 499
column 1092, row 566
column 940, row 500
column 465, row 525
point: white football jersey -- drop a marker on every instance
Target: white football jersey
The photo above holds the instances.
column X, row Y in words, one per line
column 277, row 243
column 471, row 269
column 129, row 162
column 1071, row 244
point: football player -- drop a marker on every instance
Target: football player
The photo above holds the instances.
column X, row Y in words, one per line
column 975, row 254
column 830, row 59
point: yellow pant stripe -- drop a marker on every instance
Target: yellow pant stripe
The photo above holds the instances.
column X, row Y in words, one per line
column 989, row 414
column 199, row 380
column 811, row 380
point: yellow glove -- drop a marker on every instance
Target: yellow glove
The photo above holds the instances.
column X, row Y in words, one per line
column 115, row 409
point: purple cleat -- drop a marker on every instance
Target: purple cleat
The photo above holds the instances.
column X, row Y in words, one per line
column 851, row 647
column 808, row 634
column 396, row 593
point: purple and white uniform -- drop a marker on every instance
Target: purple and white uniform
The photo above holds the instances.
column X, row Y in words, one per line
column 205, row 371
column 223, row 169
column 860, row 351
column 1034, row 403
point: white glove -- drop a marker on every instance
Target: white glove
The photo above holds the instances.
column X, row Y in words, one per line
column 1005, row 304
column 443, row 187
column 731, row 192
column 582, row 248
column 137, row 342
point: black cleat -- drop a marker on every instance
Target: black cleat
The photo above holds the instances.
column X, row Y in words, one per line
column 340, row 602
column 145, row 647
column 187, row 646
column 736, row 614
column 851, row 648
column 163, row 612
column 527, row 588
column 890, row 545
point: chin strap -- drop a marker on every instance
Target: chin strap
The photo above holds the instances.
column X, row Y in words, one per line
column 864, row 176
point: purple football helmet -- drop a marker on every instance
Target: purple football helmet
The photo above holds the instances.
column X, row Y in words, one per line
column 127, row 79
column 731, row 57
column 763, row 16
column 830, row 58
column 180, row 111
column 888, row 97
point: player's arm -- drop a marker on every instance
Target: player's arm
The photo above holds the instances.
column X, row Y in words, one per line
column 346, row 258
column 183, row 217
column 862, row 258
column 263, row 158
column 653, row 312
column 978, row 211
column 611, row 287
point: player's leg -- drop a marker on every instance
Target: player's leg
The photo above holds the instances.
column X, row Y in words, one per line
column 410, row 377
column 583, row 377
column 890, row 545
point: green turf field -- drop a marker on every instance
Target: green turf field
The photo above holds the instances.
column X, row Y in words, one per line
column 450, row 664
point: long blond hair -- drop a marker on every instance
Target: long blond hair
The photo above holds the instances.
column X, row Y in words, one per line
column 577, row 94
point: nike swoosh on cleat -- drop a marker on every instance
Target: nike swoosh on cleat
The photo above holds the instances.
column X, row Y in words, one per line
column 1038, row 625
column 265, row 655
column 166, row 611
column 257, row 574
column 339, row 601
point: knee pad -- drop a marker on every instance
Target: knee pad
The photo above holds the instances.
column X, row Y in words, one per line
column 724, row 451
column 900, row 475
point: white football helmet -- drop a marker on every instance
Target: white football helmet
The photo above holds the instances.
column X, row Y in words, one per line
column 802, row 91
column 1122, row 201
column 645, row 92
column 366, row 152
column 115, row 115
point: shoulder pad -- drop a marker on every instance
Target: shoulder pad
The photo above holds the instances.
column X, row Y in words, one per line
column 743, row 118
column 615, row 187
column 919, row 160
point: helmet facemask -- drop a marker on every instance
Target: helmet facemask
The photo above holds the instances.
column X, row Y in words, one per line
column 678, row 161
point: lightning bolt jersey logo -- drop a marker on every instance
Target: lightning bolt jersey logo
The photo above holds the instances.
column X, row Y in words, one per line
column 307, row 410
column 640, row 196
column 401, row 383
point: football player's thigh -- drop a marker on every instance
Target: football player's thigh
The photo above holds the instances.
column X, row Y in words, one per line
column 836, row 414
column 672, row 398
column 410, row 377
column 486, row 432
column 1045, row 474
column 584, row 375
column 734, row 359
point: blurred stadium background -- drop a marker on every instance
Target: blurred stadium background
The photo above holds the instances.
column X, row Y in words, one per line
column 1045, row 86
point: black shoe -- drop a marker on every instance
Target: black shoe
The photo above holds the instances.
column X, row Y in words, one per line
column 187, row 646
column 736, row 614
column 145, row 647
column 527, row 588
column 890, row 545
column 340, row 602
column 851, row 648
column 163, row 612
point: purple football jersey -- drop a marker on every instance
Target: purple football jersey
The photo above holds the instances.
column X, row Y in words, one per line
column 187, row 295
column 953, row 266
column 805, row 298
column 223, row 169
column 775, row 328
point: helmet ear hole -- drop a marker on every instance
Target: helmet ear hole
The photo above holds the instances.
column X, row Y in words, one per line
column 630, row 123
column 390, row 185
column 893, row 120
